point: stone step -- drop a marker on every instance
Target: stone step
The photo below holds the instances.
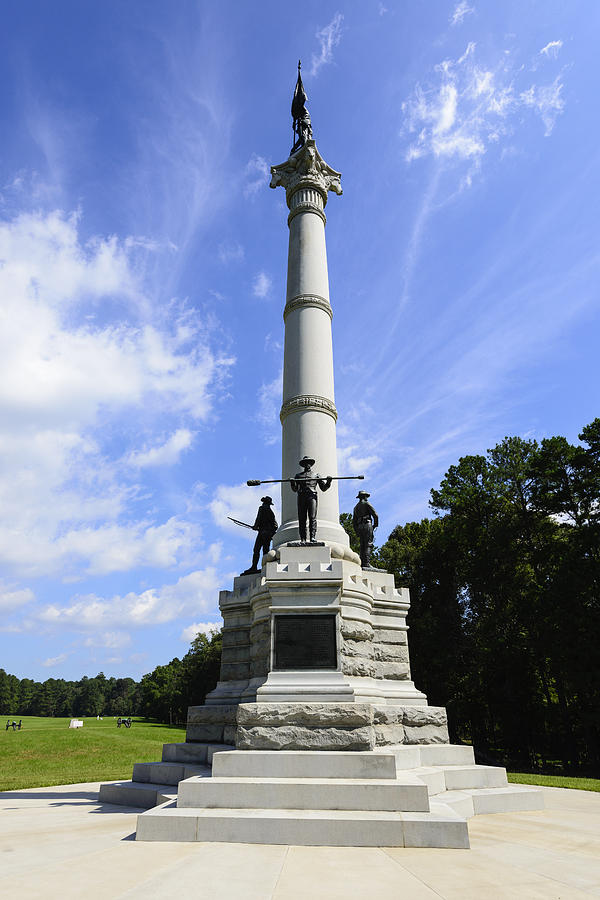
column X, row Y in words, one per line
column 192, row 752
column 166, row 772
column 514, row 798
column 408, row 795
column 460, row 778
column 136, row 794
column 304, row 764
column 432, row 776
column 301, row 827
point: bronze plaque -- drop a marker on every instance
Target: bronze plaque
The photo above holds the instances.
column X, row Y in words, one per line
column 305, row 642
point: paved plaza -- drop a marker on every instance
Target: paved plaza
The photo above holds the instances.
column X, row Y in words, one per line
column 60, row 842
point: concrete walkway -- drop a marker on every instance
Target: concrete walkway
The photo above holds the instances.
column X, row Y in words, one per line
column 59, row 842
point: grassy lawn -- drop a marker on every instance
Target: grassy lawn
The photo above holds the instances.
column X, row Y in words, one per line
column 46, row 751
column 561, row 781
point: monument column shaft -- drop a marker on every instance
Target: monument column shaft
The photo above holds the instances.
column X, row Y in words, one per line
column 308, row 414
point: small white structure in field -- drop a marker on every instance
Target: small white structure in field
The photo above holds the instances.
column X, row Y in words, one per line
column 75, row 723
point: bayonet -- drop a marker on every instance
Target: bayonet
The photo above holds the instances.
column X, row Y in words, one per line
column 237, row 522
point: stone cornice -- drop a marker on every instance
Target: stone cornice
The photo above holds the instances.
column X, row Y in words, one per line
column 302, row 300
column 306, row 169
column 308, row 402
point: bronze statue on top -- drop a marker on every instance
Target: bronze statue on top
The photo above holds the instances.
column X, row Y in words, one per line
column 305, row 484
column 301, row 126
column 365, row 521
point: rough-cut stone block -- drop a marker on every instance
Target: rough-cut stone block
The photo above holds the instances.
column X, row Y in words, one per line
column 229, row 734
column 234, row 671
column 356, row 631
column 424, row 715
column 388, row 715
column 357, row 648
column 317, row 715
column 238, row 654
column 292, row 737
column 233, row 637
column 389, row 734
column 426, row 734
column 212, row 715
column 211, row 733
column 389, row 636
column 386, row 652
column 358, row 666
column 394, row 670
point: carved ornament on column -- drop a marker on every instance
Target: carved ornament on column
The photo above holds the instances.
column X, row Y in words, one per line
column 307, row 402
column 306, row 170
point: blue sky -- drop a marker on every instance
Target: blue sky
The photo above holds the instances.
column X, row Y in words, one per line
column 142, row 282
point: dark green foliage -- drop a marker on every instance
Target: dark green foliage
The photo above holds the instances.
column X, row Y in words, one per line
column 163, row 694
column 505, row 600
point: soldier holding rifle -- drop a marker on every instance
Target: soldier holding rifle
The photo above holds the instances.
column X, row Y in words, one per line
column 305, row 485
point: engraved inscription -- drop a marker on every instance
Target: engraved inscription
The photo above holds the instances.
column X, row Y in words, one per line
column 305, row 642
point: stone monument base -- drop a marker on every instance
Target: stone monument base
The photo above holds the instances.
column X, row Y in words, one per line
column 317, row 726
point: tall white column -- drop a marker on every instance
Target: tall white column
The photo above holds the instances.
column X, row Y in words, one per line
column 308, row 413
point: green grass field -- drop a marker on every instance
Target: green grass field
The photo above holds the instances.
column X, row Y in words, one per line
column 46, row 751
column 560, row 781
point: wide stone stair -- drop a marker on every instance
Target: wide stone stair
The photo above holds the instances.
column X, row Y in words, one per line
column 155, row 783
column 409, row 796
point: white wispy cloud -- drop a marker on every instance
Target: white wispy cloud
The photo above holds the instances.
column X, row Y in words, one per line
column 551, row 49
column 230, row 251
column 190, row 631
column 165, row 454
column 53, row 661
column 328, row 38
column 460, row 11
column 111, row 640
column 258, row 173
column 547, row 101
column 11, row 600
column 468, row 107
column 261, row 285
column 191, row 594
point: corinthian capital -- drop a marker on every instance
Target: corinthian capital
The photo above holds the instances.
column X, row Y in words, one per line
column 306, row 168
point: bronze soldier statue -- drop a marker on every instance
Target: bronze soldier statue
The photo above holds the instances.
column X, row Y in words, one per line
column 266, row 525
column 365, row 521
column 305, row 484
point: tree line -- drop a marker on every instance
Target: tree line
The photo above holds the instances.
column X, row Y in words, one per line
column 163, row 694
column 505, row 601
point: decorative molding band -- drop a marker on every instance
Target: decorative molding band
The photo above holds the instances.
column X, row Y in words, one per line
column 307, row 207
column 302, row 300
column 308, row 402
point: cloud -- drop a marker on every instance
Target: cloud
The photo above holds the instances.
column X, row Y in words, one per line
column 189, row 633
column 14, row 599
column 258, row 173
column 352, row 460
column 112, row 640
column 230, row 251
column 192, row 593
column 269, row 404
column 75, row 390
column 165, row 454
column 328, row 38
column 261, row 285
column 547, row 101
column 551, row 49
column 55, row 660
column 468, row 107
column 460, row 11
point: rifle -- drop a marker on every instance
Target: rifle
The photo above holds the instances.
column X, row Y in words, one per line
column 237, row 522
column 254, row 482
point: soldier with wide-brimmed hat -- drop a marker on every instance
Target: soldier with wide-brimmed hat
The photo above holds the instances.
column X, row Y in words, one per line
column 305, row 484
column 365, row 521
column 266, row 525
